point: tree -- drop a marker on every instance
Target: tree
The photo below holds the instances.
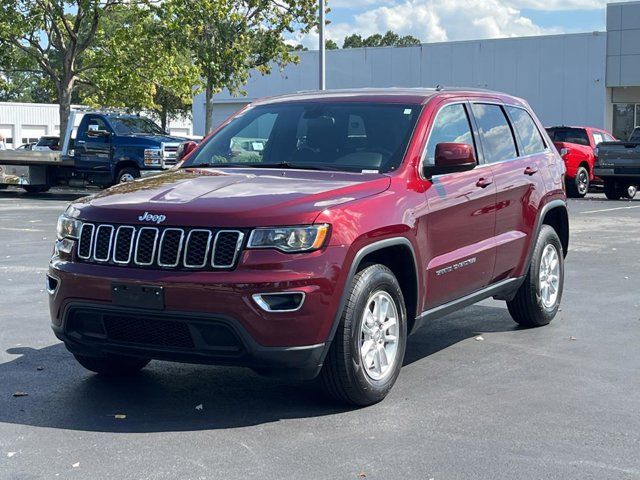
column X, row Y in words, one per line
column 330, row 45
column 55, row 34
column 143, row 67
column 21, row 80
column 229, row 38
column 389, row 39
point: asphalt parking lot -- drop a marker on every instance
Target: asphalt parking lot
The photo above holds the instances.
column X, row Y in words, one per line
column 558, row 402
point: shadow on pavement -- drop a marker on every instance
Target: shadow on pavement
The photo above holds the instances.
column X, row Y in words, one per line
column 164, row 397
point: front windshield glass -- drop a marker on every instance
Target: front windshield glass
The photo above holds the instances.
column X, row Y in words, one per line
column 135, row 126
column 350, row 136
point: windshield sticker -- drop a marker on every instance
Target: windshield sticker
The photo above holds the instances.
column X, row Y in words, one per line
column 370, row 171
column 407, row 111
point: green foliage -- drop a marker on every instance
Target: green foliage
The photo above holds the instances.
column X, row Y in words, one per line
column 330, row 45
column 229, row 38
column 389, row 39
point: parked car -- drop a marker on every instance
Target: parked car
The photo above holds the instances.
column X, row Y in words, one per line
column 577, row 148
column 26, row 146
column 47, row 143
column 109, row 148
column 618, row 164
column 366, row 214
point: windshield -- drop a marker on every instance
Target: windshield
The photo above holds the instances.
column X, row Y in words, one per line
column 569, row 135
column 135, row 126
column 350, row 136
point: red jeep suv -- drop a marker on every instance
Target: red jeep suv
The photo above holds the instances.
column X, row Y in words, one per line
column 311, row 233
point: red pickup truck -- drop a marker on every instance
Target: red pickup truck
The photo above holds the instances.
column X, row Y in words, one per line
column 577, row 148
column 311, row 233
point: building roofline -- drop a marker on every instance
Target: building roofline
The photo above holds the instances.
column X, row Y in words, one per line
column 616, row 4
column 501, row 39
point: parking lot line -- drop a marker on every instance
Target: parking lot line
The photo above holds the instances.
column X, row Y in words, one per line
column 612, row 209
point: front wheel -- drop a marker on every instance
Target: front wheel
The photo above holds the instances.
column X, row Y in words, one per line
column 367, row 351
column 127, row 174
column 579, row 186
column 538, row 298
column 112, row 365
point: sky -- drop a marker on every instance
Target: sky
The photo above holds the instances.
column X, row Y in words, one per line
column 449, row 20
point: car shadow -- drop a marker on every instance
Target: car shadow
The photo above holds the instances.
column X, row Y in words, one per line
column 20, row 194
column 175, row 397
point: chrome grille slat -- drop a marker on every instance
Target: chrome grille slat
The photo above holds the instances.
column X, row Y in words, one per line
column 160, row 247
column 154, row 244
column 87, row 229
column 122, row 232
column 98, row 246
column 205, row 256
column 236, row 250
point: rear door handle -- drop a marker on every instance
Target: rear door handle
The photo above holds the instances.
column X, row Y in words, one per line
column 483, row 183
column 530, row 171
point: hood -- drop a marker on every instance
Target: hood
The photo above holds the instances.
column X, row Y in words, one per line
column 230, row 197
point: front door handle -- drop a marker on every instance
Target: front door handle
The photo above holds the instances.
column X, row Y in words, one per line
column 530, row 171
column 483, row 183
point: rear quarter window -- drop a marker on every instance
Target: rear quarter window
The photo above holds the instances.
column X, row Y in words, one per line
column 497, row 139
column 530, row 139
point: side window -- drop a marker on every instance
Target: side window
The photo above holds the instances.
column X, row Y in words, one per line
column 597, row 138
column 530, row 140
column 495, row 133
column 450, row 126
column 608, row 138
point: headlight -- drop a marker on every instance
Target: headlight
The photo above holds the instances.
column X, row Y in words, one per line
column 68, row 227
column 153, row 157
column 290, row 239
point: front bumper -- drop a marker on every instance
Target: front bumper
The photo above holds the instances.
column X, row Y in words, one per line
column 208, row 317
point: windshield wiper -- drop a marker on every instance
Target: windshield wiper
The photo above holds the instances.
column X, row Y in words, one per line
column 298, row 166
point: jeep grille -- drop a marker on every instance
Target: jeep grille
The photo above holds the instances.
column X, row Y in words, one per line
column 160, row 247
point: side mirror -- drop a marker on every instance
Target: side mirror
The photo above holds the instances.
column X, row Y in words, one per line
column 451, row 158
column 184, row 150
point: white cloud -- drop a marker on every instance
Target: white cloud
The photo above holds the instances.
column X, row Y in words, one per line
column 446, row 20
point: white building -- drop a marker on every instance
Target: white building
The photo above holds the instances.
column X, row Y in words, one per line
column 22, row 123
column 574, row 79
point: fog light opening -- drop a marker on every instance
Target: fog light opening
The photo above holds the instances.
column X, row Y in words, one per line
column 280, row 301
column 51, row 285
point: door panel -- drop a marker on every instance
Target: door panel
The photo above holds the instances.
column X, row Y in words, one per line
column 461, row 215
column 460, row 235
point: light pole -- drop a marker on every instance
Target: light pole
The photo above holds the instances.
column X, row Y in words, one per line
column 321, row 52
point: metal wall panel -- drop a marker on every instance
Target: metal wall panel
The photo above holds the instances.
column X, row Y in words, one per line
column 562, row 76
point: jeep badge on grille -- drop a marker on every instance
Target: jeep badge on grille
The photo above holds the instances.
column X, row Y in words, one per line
column 148, row 217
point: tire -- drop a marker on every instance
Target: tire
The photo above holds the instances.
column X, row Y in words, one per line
column 343, row 375
column 112, row 365
column 578, row 186
column 628, row 191
column 611, row 190
column 531, row 307
column 127, row 174
column 36, row 188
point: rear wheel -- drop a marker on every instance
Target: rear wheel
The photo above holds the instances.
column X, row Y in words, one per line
column 127, row 174
column 36, row 188
column 579, row 186
column 628, row 191
column 611, row 190
column 112, row 365
column 367, row 351
column 538, row 298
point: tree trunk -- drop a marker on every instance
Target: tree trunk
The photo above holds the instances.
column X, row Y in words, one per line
column 208, row 109
column 164, row 114
column 65, row 90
